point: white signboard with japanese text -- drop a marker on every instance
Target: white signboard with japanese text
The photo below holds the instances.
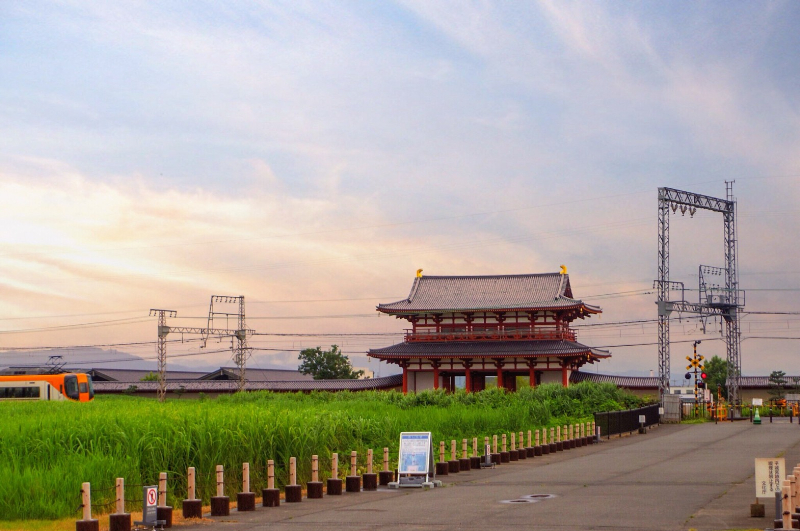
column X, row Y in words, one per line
column 757, row 401
column 769, row 475
column 415, row 453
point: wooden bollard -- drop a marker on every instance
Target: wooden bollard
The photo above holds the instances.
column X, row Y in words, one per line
column 522, row 452
column 442, row 468
column 163, row 511
column 334, row 486
column 464, row 462
column 314, row 487
column 537, row 448
column 786, row 504
column 385, row 476
column 567, row 438
column 505, row 457
column 796, row 506
column 370, row 479
column 120, row 520
column 192, row 507
column 475, row 460
column 353, row 481
column 530, row 448
column 545, row 444
column 553, row 446
column 220, row 504
column 270, row 497
column 571, row 436
column 87, row 524
column 453, row 466
column 559, row 442
column 513, row 454
column 293, row 492
column 246, row 500
column 495, row 452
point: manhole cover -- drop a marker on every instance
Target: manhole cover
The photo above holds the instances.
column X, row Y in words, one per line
column 520, row 500
column 538, row 497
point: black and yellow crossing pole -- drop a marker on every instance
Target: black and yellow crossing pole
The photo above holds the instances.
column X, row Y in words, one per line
column 695, row 365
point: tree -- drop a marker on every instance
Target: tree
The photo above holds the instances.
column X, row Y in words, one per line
column 327, row 364
column 717, row 370
column 777, row 382
column 149, row 377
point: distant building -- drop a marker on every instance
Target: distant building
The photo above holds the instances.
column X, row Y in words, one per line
column 476, row 327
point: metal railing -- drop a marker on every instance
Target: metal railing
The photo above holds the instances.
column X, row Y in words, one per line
column 616, row 422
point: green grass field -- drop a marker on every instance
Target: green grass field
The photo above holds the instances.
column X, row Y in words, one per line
column 47, row 449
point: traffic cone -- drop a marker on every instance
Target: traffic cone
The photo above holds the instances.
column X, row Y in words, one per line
column 757, row 418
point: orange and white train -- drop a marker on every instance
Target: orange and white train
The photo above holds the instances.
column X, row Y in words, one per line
column 76, row 387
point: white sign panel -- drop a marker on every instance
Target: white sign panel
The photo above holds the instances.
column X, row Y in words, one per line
column 769, row 474
column 415, row 453
column 757, row 401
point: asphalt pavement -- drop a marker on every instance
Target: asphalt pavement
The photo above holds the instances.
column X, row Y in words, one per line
column 675, row 477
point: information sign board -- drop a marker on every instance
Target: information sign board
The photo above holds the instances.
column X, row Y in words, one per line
column 149, row 511
column 758, row 401
column 416, row 456
column 769, row 475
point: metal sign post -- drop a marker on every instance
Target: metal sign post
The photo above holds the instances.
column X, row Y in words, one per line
column 149, row 508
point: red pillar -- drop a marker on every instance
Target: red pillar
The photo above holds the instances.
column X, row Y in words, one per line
column 405, row 380
column 499, row 376
column 468, row 378
column 436, row 376
column 564, row 376
column 531, row 376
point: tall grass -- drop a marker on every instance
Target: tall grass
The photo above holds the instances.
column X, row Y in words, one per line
column 48, row 449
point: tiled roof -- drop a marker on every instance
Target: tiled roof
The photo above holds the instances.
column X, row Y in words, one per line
column 628, row 382
column 253, row 374
column 485, row 349
column 229, row 386
column 763, row 381
column 132, row 375
column 497, row 292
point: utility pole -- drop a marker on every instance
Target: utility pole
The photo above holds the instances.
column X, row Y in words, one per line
column 163, row 330
column 241, row 351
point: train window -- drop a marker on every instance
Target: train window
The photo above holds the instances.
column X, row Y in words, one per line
column 71, row 387
column 19, row 392
column 83, row 387
column 91, row 387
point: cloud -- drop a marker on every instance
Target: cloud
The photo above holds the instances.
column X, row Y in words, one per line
column 303, row 151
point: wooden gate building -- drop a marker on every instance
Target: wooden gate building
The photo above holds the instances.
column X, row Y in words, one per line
column 477, row 326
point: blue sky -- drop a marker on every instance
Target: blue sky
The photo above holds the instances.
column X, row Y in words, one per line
column 154, row 154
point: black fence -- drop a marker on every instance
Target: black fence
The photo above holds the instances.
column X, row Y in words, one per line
column 616, row 422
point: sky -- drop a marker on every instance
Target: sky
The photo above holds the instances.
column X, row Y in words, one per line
column 312, row 156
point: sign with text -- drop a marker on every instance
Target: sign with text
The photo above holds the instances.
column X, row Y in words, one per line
column 415, row 453
column 769, row 474
column 758, row 401
column 150, row 494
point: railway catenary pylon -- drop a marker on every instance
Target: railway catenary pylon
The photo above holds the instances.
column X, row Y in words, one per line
column 241, row 352
column 724, row 300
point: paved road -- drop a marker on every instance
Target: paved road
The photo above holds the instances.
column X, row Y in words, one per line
column 677, row 477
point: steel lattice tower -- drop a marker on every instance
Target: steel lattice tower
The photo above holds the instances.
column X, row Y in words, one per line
column 727, row 304
column 163, row 330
